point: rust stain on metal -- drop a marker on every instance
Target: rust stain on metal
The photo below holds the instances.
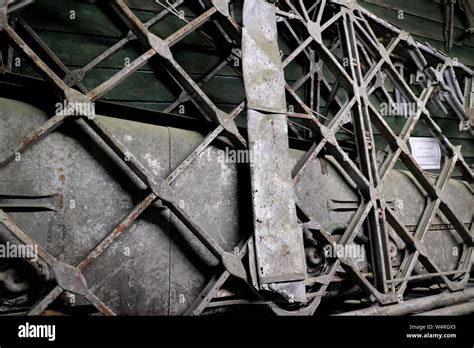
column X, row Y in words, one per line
column 122, row 227
column 106, row 310
column 62, row 177
column 272, row 195
column 31, row 138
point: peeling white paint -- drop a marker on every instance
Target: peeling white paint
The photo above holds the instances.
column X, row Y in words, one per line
column 154, row 164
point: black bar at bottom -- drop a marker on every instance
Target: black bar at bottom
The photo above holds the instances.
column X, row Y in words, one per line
column 246, row 330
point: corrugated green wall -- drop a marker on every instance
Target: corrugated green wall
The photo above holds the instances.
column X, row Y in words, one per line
column 78, row 41
column 424, row 20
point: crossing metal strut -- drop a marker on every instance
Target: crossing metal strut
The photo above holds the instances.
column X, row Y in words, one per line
column 349, row 58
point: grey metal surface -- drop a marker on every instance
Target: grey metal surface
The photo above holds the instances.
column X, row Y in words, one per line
column 278, row 238
column 261, row 60
column 156, row 212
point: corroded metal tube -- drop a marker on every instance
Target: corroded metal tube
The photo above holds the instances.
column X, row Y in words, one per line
column 464, row 308
column 418, row 305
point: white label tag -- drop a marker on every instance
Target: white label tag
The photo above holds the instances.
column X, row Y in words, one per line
column 426, row 152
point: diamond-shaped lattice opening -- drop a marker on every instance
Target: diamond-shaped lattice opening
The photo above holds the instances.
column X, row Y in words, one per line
column 344, row 74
